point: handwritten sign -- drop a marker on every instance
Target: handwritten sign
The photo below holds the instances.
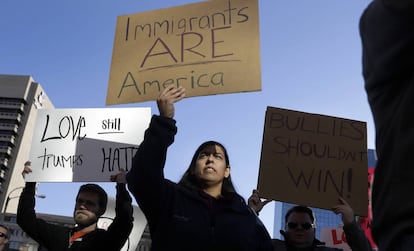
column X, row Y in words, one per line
column 83, row 145
column 210, row 47
column 335, row 238
column 312, row 159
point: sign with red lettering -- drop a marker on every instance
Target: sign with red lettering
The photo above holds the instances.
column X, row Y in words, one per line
column 365, row 222
column 84, row 145
column 210, row 47
column 334, row 237
column 312, row 159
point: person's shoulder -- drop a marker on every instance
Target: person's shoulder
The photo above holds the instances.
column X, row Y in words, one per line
column 237, row 202
column 97, row 233
column 183, row 191
column 278, row 244
column 400, row 6
column 237, row 197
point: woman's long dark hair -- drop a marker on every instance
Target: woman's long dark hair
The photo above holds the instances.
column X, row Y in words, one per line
column 190, row 181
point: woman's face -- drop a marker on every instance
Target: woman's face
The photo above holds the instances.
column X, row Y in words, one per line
column 211, row 167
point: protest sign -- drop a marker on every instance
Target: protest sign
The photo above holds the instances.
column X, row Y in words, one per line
column 210, row 47
column 334, row 237
column 312, row 159
column 84, row 145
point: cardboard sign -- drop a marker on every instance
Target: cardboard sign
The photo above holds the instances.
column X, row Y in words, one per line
column 334, row 237
column 83, row 145
column 210, row 47
column 312, row 159
column 140, row 223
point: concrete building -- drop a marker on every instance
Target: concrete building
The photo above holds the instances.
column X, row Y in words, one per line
column 20, row 97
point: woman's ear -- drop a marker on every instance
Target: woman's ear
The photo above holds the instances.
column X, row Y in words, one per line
column 227, row 172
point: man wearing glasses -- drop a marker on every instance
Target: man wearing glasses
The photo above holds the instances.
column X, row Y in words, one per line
column 299, row 233
column 4, row 237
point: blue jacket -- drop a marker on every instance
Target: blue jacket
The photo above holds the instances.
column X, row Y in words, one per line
column 184, row 219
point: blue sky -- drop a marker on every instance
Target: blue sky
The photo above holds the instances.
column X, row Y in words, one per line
column 310, row 57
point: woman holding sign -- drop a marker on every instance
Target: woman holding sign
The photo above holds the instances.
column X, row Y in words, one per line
column 202, row 211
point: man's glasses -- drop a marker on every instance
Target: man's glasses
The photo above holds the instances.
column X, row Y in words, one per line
column 3, row 235
column 294, row 225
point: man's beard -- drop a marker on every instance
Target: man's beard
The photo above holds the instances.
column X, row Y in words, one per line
column 84, row 220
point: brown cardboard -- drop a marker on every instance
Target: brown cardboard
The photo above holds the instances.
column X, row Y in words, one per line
column 311, row 159
column 211, row 47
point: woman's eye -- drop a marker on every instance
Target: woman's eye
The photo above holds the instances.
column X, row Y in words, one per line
column 218, row 156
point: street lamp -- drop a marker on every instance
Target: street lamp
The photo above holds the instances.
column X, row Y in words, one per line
column 9, row 197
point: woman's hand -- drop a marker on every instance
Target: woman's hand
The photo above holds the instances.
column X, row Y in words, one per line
column 167, row 98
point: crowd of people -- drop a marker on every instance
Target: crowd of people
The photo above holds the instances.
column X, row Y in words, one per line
column 203, row 211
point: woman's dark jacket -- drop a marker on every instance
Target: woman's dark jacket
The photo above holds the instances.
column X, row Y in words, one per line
column 56, row 237
column 183, row 219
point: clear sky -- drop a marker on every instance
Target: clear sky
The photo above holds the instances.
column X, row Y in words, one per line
column 310, row 58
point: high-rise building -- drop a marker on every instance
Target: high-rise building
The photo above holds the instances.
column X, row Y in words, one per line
column 324, row 218
column 20, row 97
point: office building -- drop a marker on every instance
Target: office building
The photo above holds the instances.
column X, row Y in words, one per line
column 20, row 97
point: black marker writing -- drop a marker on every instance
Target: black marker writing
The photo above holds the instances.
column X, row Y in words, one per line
column 66, row 127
